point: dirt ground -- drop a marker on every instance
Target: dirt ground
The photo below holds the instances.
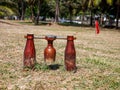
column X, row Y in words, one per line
column 97, row 59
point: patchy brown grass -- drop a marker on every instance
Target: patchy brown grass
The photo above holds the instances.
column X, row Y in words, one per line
column 98, row 59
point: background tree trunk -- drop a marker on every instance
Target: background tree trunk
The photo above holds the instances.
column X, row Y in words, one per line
column 91, row 19
column 23, row 11
column 117, row 16
column 71, row 13
column 57, row 12
column 32, row 13
column 38, row 12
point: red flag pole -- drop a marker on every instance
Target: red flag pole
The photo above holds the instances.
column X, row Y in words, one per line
column 97, row 27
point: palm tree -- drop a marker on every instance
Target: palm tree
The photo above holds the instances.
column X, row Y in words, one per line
column 7, row 8
column 71, row 5
column 31, row 5
column 91, row 5
column 35, row 15
column 115, row 4
column 95, row 3
column 83, row 6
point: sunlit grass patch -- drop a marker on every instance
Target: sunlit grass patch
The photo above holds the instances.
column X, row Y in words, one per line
column 7, row 74
column 109, row 82
column 96, row 61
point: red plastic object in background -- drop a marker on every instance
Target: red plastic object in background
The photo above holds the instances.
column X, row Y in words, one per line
column 29, row 52
column 97, row 27
column 70, row 54
column 50, row 52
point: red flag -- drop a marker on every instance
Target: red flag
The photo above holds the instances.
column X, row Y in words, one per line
column 97, row 27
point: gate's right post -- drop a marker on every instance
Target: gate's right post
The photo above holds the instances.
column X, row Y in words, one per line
column 70, row 54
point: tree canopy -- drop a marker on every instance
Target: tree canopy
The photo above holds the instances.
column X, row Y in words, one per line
column 58, row 8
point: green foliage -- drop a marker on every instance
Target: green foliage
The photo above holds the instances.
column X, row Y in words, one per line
column 110, row 2
column 67, row 8
column 48, row 7
column 43, row 67
column 7, row 8
column 97, row 2
column 2, row 13
column 6, row 11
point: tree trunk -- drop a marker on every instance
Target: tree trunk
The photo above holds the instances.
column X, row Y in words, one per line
column 91, row 18
column 101, row 19
column 83, row 17
column 117, row 16
column 23, row 9
column 71, row 13
column 38, row 12
column 32, row 13
column 57, row 12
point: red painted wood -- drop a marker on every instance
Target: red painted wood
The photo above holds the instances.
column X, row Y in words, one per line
column 49, row 51
column 70, row 54
column 29, row 52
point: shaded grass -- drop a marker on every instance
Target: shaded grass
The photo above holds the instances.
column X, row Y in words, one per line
column 31, row 23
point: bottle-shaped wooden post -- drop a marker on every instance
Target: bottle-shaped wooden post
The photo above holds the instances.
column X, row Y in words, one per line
column 49, row 52
column 29, row 52
column 70, row 54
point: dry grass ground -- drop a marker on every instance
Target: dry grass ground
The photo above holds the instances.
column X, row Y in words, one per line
column 98, row 59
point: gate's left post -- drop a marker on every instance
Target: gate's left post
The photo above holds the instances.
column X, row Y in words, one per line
column 29, row 52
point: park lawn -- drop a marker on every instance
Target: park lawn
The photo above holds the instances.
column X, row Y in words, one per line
column 97, row 59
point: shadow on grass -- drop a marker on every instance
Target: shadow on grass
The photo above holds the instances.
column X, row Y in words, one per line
column 43, row 23
column 31, row 23
column 45, row 67
column 54, row 66
column 74, row 24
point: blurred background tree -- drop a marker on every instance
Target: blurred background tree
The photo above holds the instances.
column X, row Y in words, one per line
column 58, row 9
